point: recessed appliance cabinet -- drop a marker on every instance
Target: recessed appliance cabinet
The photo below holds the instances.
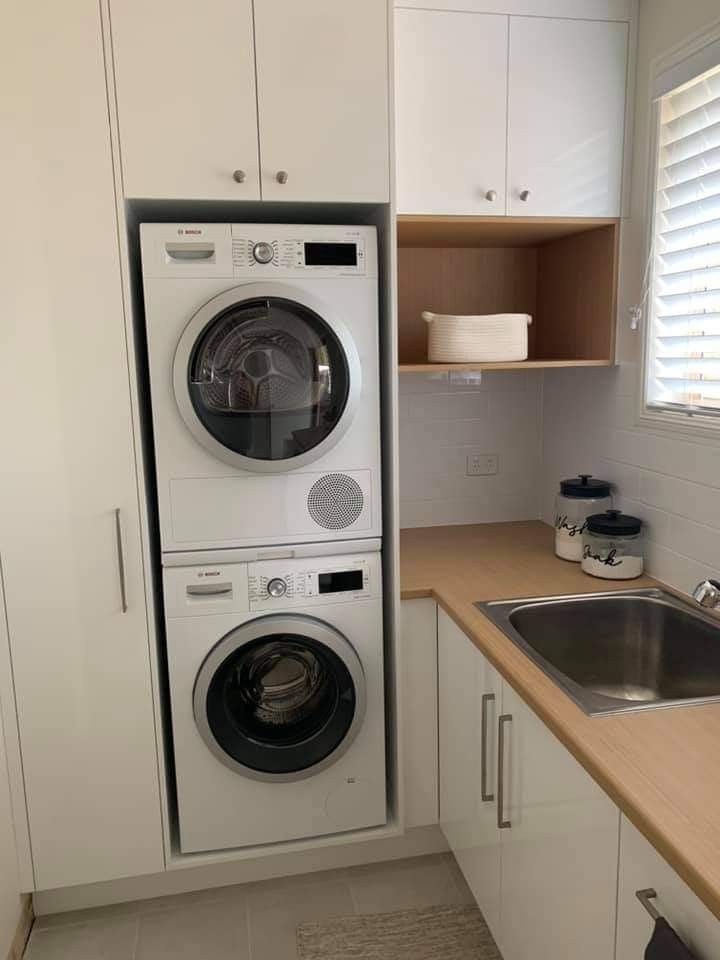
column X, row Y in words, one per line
column 193, row 125
column 71, row 551
column 499, row 114
column 563, row 272
column 523, row 818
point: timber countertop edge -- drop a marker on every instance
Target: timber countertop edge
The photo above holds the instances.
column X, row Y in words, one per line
column 661, row 767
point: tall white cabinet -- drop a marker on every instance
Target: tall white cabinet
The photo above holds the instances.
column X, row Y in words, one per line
column 69, row 528
column 271, row 99
column 536, row 838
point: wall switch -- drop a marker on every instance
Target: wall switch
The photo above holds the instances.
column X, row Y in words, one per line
column 481, row 464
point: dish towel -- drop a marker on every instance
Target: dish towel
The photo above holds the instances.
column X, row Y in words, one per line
column 665, row 944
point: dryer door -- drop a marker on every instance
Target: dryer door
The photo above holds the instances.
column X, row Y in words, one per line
column 265, row 378
column 280, row 698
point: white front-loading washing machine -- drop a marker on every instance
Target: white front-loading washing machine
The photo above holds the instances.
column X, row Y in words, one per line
column 277, row 698
column 264, row 381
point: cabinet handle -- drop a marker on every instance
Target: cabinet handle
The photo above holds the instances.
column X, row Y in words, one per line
column 491, row 195
column 281, row 176
column 121, row 561
column 239, row 176
column 645, row 896
column 524, row 195
column 484, row 795
column 502, row 824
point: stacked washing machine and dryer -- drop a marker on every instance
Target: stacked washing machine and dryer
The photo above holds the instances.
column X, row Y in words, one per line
column 265, row 395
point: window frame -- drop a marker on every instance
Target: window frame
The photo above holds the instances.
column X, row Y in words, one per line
column 682, row 422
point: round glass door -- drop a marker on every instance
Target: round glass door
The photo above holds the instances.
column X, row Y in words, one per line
column 267, row 378
column 280, row 700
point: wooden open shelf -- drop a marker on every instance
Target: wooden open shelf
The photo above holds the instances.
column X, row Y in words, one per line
column 511, row 365
column 561, row 271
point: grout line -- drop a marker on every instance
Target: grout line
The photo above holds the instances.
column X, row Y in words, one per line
column 247, row 925
column 137, row 937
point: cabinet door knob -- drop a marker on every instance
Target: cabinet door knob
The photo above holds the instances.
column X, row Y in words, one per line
column 281, row 176
column 239, row 176
column 524, row 195
column 491, row 195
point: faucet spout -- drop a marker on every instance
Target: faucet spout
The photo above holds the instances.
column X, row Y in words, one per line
column 707, row 594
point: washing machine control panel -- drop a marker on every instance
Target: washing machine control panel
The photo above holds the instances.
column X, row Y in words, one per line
column 262, row 252
column 275, row 584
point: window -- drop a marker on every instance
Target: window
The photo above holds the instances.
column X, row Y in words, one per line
column 682, row 364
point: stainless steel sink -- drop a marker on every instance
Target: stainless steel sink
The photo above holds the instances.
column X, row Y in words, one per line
column 618, row 651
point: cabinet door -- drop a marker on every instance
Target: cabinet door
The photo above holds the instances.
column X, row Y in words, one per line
column 322, row 73
column 566, row 117
column 185, row 86
column 419, row 711
column 641, row 867
column 467, row 814
column 451, row 110
column 81, row 665
column 559, row 855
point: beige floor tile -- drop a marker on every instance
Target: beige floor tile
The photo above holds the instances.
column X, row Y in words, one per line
column 110, row 912
column 229, row 894
column 195, row 932
column 403, row 885
column 275, row 909
column 110, row 939
column 464, row 892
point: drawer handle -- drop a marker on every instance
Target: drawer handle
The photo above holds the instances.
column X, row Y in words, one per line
column 502, row 823
column 484, row 794
column 646, row 897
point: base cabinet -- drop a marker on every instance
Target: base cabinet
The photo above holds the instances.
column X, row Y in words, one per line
column 535, row 837
column 642, row 867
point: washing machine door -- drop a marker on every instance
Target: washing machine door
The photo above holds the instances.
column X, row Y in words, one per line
column 266, row 377
column 280, row 698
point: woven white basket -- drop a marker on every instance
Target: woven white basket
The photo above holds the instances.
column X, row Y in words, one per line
column 489, row 338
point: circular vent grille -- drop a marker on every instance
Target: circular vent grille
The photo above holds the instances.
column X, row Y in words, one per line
column 335, row 501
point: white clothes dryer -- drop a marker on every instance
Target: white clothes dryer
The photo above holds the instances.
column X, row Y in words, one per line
column 277, row 698
column 264, row 382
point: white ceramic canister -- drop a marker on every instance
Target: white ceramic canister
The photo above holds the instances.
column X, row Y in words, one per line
column 613, row 546
column 578, row 499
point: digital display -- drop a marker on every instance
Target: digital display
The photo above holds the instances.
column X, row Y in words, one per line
column 331, row 254
column 340, row 580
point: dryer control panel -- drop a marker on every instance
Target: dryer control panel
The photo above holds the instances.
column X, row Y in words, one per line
column 276, row 584
column 262, row 249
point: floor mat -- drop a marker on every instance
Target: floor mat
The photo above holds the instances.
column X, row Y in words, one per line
column 453, row 933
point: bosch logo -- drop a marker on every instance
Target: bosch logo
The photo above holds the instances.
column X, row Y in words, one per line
column 186, row 232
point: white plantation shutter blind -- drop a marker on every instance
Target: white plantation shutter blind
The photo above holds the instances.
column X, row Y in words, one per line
column 683, row 369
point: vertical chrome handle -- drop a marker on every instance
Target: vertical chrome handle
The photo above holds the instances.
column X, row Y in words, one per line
column 281, row 176
column 484, row 795
column 524, row 195
column 121, row 561
column 502, row 824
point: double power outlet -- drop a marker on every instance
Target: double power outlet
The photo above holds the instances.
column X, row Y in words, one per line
column 481, row 465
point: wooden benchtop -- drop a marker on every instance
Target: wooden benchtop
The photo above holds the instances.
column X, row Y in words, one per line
column 661, row 767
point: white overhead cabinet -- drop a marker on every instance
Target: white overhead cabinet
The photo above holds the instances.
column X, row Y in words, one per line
column 514, row 115
column 194, row 126
column 522, row 817
column 566, row 117
column 185, row 85
column 450, row 133
column 70, row 531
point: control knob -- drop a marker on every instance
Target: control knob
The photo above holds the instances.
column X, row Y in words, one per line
column 263, row 252
column 277, row 587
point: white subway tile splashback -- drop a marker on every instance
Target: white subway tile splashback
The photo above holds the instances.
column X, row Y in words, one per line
column 445, row 420
column 672, row 483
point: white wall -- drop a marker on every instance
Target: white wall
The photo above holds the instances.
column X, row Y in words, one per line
column 590, row 415
column 442, row 420
column 10, row 906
